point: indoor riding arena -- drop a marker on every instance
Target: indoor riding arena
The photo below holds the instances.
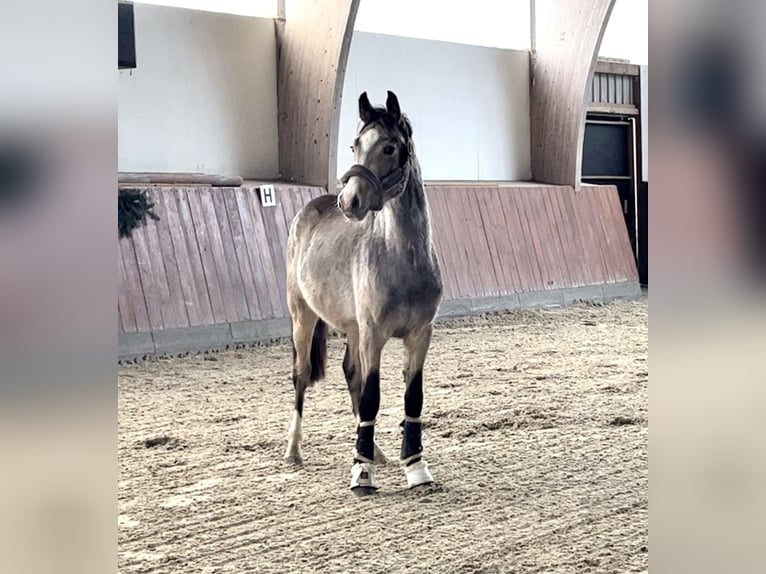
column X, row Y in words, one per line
column 535, row 410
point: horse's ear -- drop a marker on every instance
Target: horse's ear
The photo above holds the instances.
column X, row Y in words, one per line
column 392, row 106
column 366, row 113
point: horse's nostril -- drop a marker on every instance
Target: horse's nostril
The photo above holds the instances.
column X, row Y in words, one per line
column 354, row 203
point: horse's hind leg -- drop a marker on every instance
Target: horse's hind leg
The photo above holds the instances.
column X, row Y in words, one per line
column 304, row 322
column 415, row 346
column 352, row 370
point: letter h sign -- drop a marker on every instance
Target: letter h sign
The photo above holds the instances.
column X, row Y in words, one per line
column 268, row 196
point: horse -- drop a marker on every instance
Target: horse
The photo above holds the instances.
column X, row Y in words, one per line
column 363, row 262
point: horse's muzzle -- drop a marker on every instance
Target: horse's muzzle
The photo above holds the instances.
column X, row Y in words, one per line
column 351, row 207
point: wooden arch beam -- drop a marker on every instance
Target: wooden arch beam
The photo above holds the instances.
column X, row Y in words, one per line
column 562, row 69
column 313, row 52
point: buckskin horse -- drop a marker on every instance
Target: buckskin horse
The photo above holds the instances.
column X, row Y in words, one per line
column 363, row 262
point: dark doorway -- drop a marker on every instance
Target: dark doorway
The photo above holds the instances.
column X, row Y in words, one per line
column 609, row 158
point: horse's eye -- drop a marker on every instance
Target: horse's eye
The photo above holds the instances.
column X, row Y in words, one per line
column 389, row 149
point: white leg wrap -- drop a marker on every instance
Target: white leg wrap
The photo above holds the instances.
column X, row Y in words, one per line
column 294, row 438
column 363, row 474
column 418, row 473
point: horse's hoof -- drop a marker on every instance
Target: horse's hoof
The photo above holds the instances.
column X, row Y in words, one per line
column 363, row 478
column 294, row 459
column 364, row 491
column 418, row 474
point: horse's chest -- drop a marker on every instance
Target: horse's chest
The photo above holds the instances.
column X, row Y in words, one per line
column 411, row 299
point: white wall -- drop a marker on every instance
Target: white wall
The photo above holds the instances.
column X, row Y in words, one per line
column 203, row 97
column 503, row 24
column 469, row 105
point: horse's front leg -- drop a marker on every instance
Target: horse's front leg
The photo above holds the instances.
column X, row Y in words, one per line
column 352, row 370
column 415, row 468
column 363, row 470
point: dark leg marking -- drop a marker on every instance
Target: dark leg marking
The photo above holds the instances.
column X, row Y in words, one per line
column 299, row 394
column 354, row 385
column 413, row 407
column 413, row 396
column 369, row 405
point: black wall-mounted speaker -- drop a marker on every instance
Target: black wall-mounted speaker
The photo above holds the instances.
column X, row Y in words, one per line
column 126, row 37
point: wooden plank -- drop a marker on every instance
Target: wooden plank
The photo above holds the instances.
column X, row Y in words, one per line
column 287, row 213
column 618, row 234
column 150, row 280
column 529, row 272
column 243, row 255
column 264, row 241
column 590, row 251
column 195, row 256
column 438, row 232
column 232, row 292
column 529, row 216
column 477, row 254
column 503, row 241
column 546, row 234
column 168, row 309
column 623, row 239
column 594, row 256
column 485, row 207
column 178, row 178
column 209, row 271
column 254, row 252
column 597, row 208
column 237, row 296
column 447, row 237
column 556, row 244
column 167, row 251
column 134, row 287
column 186, row 274
column 566, row 235
column 289, row 210
column 462, row 228
column 464, row 245
column 569, row 201
column 124, row 301
column 274, row 223
column 485, row 262
column 597, row 211
column 445, row 269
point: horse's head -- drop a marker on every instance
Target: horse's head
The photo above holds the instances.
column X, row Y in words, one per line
column 381, row 153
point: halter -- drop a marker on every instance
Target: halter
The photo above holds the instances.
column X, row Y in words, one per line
column 381, row 186
column 386, row 185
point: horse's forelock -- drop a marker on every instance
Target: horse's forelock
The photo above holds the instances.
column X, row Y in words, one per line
column 381, row 116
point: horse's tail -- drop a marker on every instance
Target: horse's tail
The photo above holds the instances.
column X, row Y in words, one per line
column 318, row 351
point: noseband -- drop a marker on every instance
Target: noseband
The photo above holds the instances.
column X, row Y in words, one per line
column 382, row 186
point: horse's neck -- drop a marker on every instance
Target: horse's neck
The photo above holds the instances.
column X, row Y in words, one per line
column 404, row 221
